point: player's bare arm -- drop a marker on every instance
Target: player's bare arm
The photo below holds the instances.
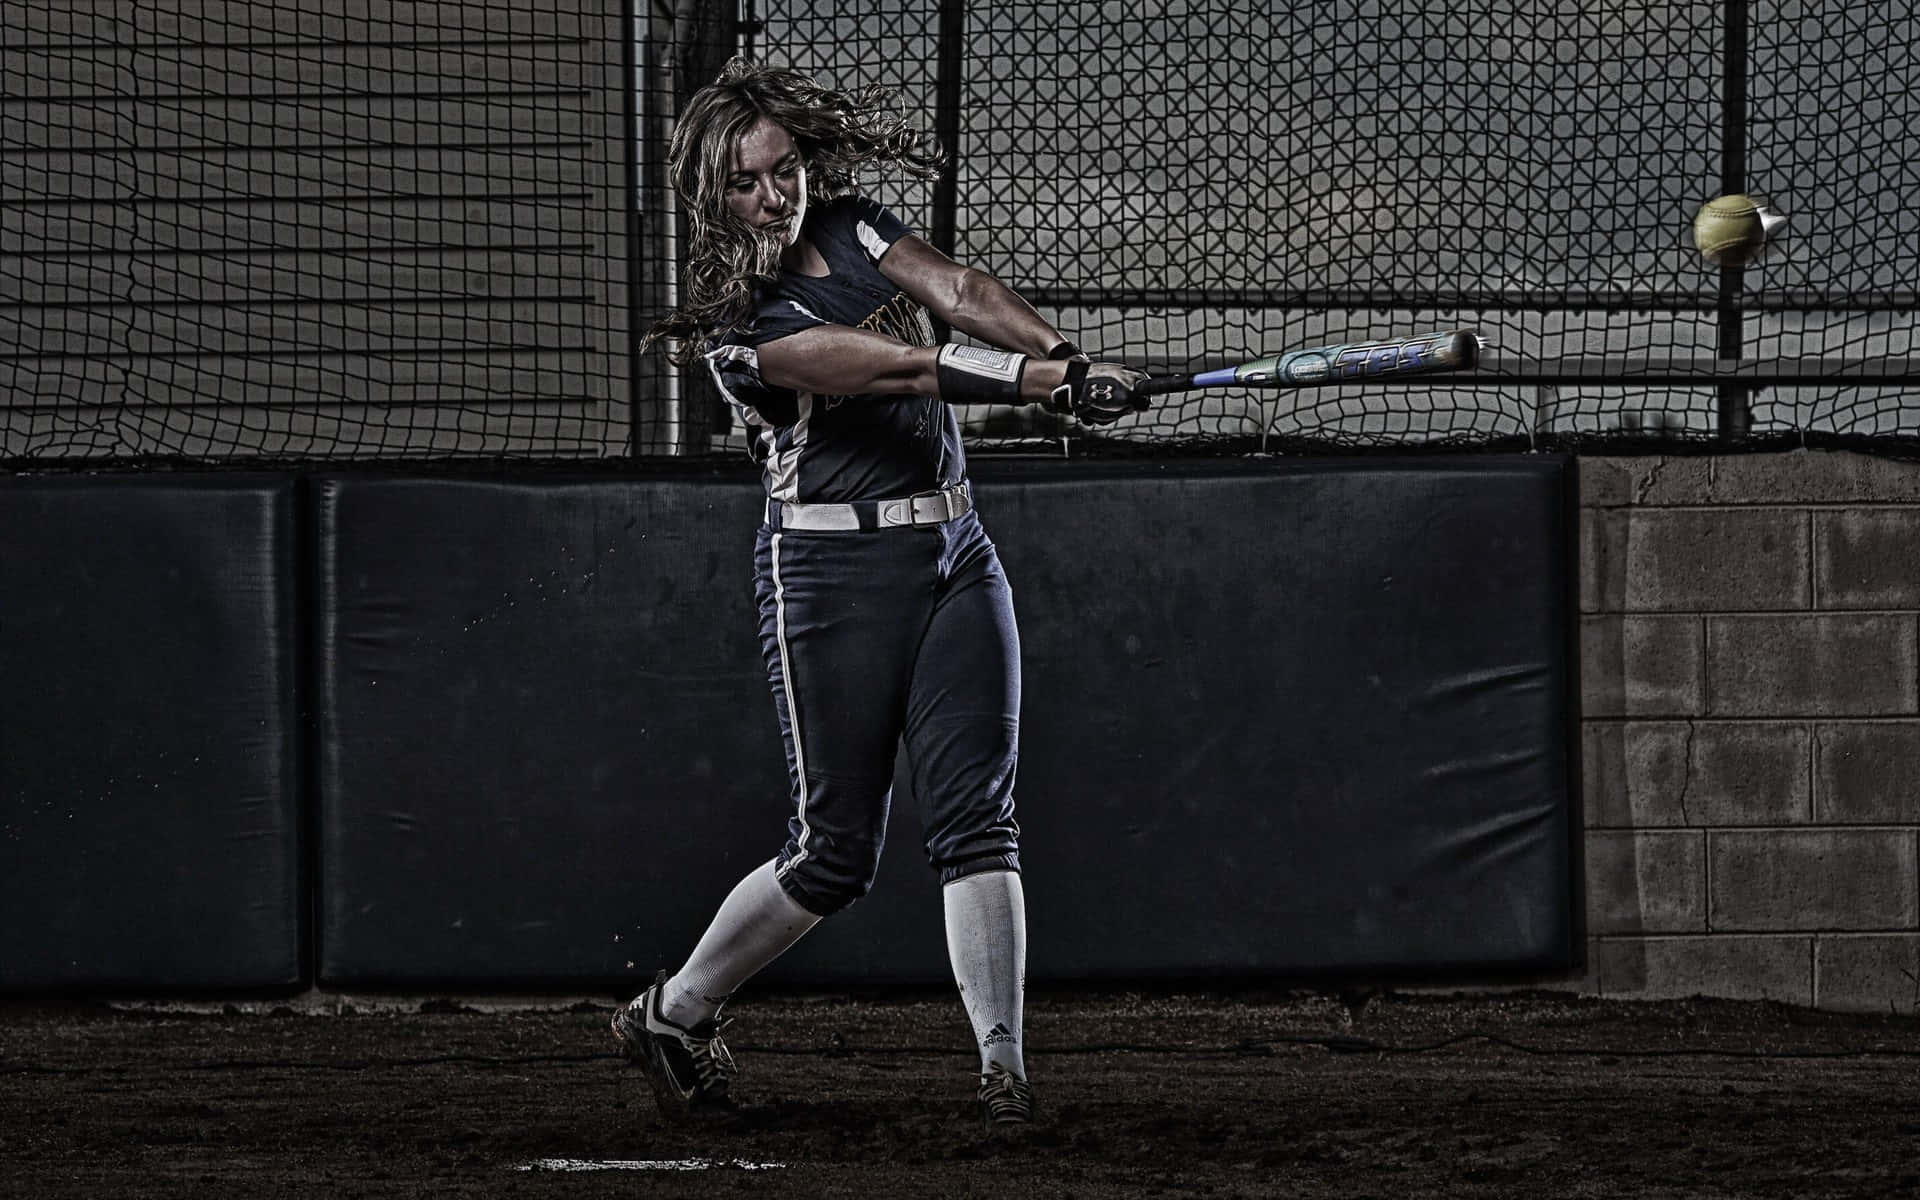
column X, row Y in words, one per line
column 974, row 302
column 838, row 360
column 968, row 299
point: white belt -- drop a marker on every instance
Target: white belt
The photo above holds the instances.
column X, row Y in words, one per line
column 926, row 508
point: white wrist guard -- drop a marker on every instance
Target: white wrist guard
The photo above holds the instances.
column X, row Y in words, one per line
column 971, row 375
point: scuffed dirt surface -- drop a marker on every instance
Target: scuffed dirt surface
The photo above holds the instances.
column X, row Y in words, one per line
column 1143, row 1094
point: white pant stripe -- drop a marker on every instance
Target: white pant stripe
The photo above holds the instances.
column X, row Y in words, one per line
column 793, row 711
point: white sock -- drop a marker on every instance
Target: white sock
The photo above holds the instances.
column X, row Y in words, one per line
column 987, row 941
column 755, row 925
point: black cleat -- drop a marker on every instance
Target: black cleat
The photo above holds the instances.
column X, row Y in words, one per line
column 690, row 1069
column 1005, row 1098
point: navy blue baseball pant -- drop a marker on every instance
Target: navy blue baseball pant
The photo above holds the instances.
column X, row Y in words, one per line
column 877, row 639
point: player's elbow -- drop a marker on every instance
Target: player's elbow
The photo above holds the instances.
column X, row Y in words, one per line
column 969, row 296
column 838, row 362
column 908, row 371
column 893, row 371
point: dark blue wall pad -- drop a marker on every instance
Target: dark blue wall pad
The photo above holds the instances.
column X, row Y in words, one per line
column 1281, row 719
column 151, row 829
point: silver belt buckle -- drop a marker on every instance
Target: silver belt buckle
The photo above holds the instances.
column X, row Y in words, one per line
column 943, row 505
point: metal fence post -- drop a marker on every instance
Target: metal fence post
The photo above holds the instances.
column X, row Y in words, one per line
column 1735, row 415
column 706, row 33
column 946, row 128
column 640, row 305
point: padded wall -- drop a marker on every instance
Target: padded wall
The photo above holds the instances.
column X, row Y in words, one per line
column 545, row 744
column 1290, row 717
column 150, row 819
column 1297, row 718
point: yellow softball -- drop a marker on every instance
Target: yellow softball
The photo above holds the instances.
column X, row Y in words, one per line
column 1728, row 230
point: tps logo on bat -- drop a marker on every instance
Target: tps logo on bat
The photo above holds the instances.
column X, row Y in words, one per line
column 1360, row 360
column 1454, row 350
column 1382, row 357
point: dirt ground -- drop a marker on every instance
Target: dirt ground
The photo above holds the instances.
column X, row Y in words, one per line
column 1143, row 1093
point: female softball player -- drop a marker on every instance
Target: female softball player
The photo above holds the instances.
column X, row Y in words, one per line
column 885, row 619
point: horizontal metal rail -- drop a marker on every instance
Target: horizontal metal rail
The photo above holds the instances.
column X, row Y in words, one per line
column 1708, row 372
column 1543, row 300
column 1631, row 372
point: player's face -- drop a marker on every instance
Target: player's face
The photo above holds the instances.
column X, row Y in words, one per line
column 768, row 186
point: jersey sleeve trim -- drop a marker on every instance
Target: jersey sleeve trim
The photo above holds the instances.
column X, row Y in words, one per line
column 875, row 229
column 736, row 372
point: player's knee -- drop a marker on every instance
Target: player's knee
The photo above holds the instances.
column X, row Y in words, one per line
column 828, row 877
column 826, row 898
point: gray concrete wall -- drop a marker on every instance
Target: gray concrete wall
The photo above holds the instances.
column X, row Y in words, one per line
column 1751, row 727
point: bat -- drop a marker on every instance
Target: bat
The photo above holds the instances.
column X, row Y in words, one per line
column 1349, row 362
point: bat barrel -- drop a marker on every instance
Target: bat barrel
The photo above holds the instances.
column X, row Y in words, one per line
column 1465, row 350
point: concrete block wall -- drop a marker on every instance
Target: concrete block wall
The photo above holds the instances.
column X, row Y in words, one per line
column 1750, row 695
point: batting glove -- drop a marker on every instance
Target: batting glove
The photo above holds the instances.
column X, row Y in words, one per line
column 1098, row 393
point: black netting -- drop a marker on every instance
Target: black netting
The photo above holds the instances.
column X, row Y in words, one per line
column 237, row 229
column 247, row 228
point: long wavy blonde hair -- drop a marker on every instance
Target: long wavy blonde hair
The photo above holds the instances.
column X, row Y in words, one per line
column 840, row 135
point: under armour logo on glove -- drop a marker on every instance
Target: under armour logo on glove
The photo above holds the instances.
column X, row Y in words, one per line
column 1098, row 393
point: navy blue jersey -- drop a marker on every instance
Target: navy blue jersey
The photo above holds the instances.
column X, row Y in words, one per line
column 837, row 448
